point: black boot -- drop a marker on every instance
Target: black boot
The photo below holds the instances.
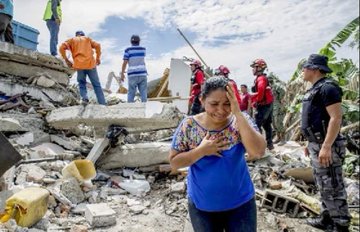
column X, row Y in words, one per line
column 324, row 222
column 340, row 228
column 341, row 224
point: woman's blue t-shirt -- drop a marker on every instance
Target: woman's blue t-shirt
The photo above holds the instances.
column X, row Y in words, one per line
column 215, row 183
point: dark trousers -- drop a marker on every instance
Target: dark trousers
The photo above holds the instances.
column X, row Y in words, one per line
column 6, row 33
column 196, row 107
column 263, row 118
column 240, row 219
column 330, row 182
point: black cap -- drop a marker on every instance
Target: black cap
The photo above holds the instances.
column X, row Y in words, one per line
column 135, row 39
column 79, row 33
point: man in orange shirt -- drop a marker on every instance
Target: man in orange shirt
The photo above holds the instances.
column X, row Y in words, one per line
column 81, row 48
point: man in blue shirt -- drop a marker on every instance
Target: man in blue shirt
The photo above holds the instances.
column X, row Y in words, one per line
column 136, row 72
column 6, row 15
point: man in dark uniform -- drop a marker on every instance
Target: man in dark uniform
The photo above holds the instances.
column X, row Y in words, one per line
column 321, row 122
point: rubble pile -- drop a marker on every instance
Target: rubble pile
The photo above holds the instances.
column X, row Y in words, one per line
column 105, row 168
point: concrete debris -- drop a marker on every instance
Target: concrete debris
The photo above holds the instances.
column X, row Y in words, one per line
column 10, row 124
column 100, row 215
column 97, row 149
column 178, row 187
column 275, row 185
column 25, row 139
column 73, row 144
column 136, row 155
column 11, row 87
column 70, row 188
column 280, row 204
column 137, row 209
column 304, row 174
column 45, row 150
column 79, row 228
column 23, row 62
column 135, row 116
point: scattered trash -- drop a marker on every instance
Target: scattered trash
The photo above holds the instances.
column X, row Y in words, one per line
column 135, row 187
column 82, row 170
column 27, row 207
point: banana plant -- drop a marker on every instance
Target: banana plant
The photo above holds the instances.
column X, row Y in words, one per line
column 344, row 72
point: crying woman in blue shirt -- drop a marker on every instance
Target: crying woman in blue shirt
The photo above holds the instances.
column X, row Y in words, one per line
column 221, row 195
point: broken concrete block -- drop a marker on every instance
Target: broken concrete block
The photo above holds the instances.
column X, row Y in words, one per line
column 70, row 188
column 46, row 150
column 97, row 149
column 280, row 204
column 25, row 139
column 137, row 209
column 133, row 116
column 136, row 155
column 79, row 228
column 100, row 215
column 44, row 81
column 178, row 187
column 131, row 202
column 10, row 124
column 79, row 209
column 35, row 174
column 65, row 142
column 275, row 185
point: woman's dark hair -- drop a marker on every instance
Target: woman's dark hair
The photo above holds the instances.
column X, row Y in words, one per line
column 245, row 86
column 212, row 84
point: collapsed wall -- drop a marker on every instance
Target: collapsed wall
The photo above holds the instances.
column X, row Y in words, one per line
column 23, row 70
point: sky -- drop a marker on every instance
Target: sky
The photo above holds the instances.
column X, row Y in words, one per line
column 224, row 32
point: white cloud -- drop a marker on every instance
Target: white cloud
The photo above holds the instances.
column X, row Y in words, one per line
column 291, row 29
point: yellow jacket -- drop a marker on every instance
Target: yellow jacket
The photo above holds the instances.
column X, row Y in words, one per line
column 81, row 48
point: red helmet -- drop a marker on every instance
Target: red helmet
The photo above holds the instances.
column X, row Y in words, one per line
column 196, row 63
column 260, row 63
column 223, row 70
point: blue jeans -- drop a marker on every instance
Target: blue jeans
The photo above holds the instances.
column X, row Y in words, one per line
column 139, row 82
column 94, row 79
column 240, row 219
column 54, row 32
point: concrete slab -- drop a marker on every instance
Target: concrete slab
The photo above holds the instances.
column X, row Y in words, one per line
column 135, row 155
column 133, row 116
